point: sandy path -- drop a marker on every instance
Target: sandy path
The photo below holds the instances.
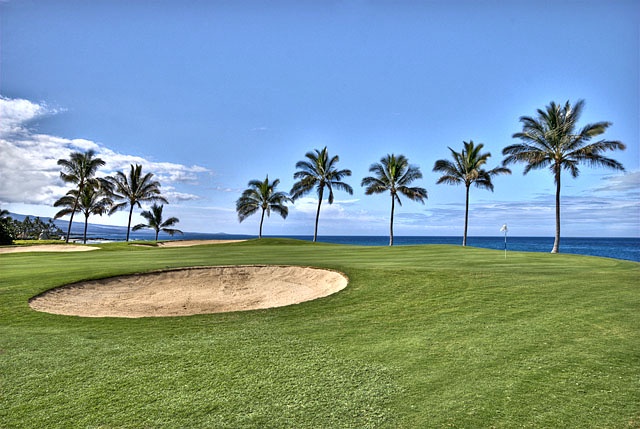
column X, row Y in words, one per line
column 191, row 291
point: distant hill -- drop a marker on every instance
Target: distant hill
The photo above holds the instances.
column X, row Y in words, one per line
column 94, row 231
column 98, row 232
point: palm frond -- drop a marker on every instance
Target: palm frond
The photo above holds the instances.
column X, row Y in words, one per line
column 447, row 167
column 63, row 212
column 374, row 185
column 247, row 205
column 410, row 174
column 135, row 188
column 303, row 187
column 306, row 168
column 261, row 195
column 342, row 186
column 255, row 184
column 414, row 193
column 449, row 180
column 171, row 231
column 282, row 210
column 484, row 182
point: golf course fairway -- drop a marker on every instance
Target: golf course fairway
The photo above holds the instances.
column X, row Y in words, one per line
column 422, row 336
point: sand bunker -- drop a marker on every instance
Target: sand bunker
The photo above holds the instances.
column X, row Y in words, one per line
column 47, row 248
column 189, row 291
column 84, row 248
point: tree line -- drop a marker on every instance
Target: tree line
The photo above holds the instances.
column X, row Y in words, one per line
column 91, row 195
column 550, row 139
column 27, row 229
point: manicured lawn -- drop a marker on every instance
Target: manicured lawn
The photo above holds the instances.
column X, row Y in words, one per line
column 423, row 336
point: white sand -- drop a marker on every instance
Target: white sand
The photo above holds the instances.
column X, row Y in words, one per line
column 77, row 248
column 191, row 291
column 47, row 248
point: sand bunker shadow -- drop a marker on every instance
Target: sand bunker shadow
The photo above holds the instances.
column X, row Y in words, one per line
column 189, row 291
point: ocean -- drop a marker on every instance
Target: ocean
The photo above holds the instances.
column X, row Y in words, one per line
column 618, row 248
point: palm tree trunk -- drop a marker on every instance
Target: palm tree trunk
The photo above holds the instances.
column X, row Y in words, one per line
column 315, row 231
column 157, row 232
column 393, row 206
column 556, row 242
column 466, row 218
column 261, row 221
column 86, row 222
column 129, row 224
column 75, row 206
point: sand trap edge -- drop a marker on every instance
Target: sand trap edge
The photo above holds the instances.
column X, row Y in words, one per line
column 186, row 291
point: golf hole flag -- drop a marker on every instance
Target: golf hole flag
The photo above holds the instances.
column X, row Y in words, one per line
column 505, row 230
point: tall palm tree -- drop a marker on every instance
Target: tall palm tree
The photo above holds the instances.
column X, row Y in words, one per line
column 155, row 222
column 80, row 170
column 552, row 140
column 467, row 168
column 394, row 174
column 133, row 190
column 319, row 171
column 262, row 195
column 92, row 200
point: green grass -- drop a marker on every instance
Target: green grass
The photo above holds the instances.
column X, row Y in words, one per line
column 36, row 242
column 423, row 336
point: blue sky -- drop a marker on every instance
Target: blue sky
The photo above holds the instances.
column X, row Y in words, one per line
column 208, row 95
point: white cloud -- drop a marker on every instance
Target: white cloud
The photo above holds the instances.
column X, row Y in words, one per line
column 227, row 190
column 581, row 215
column 165, row 172
column 627, row 182
column 174, row 196
column 83, row 145
column 16, row 113
column 309, row 205
column 28, row 165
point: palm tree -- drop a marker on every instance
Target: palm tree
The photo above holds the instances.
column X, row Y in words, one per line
column 552, row 140
column 6, row 229
column 319, row 171
column 155, row 222
column 134, row 189
column 92, row 200
column 393, row 174
column 262, row 195
column 79, row 169
column 467, row 168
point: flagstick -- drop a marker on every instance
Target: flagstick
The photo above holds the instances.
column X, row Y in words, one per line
column 505, row 229
column 505, row 245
